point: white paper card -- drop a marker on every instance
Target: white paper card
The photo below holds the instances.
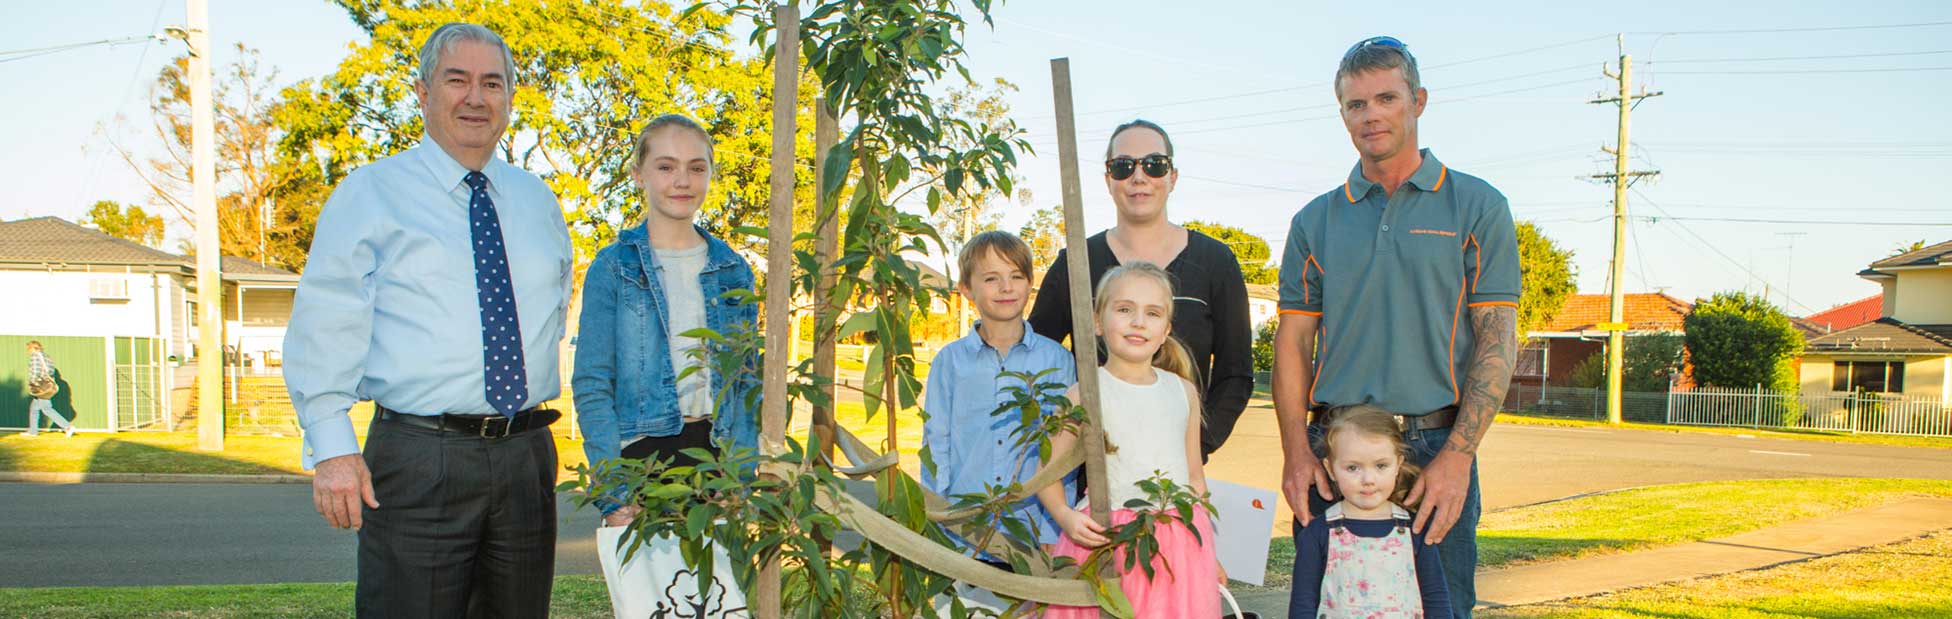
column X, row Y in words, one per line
column 1246, row 514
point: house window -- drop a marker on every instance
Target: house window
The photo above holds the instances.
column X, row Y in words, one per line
column 1531, row 359
column 1876, row 376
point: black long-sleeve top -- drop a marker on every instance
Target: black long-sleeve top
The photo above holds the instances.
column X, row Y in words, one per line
column 1209, row 316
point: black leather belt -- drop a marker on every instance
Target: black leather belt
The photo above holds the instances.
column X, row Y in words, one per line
column 1441, row 418
column 483, row 426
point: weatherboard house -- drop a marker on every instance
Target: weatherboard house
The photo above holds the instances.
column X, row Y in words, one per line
column 119, row 319
column 1908, row 348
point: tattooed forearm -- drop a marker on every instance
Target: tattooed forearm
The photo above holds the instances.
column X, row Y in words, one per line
column 1495, row 329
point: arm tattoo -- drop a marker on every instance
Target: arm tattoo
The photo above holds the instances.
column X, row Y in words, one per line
column 1495, row 329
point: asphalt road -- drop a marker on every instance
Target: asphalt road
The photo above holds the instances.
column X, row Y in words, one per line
column 155, row 534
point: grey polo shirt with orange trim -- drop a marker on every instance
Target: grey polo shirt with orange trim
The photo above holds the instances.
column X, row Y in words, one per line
column 1391, row 276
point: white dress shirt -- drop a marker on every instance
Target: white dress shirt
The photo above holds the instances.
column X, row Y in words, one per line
column 387, row 308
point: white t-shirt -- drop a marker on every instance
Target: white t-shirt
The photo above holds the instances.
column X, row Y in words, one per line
column 684, row 304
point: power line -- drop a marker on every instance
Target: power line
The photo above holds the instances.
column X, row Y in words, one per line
column 1787, row 30
column 1744, row 220
column 1703, row 242
column 1257, row 93
column 1782, row 58
column 23, row 54
column 1809, row 71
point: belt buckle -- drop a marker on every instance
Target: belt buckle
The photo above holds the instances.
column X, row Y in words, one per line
column 508, row 426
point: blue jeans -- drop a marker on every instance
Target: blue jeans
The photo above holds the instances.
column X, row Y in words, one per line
column 1459, row 550
column 36, row 409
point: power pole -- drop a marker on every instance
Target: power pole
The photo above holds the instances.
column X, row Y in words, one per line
column 1616, row 325
column 203, row 198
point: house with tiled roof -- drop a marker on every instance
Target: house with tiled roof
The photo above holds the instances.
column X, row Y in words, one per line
column 1574, row 333
column 1907, row 349
column 120, row 319
column 1847, row 315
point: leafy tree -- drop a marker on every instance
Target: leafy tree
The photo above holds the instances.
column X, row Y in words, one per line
column 1252, row 251
column 588, row 76
column 1045, row 235
column 965, row 214
column 1547, row 278
column 1735, row 339
column 126, row 222
column 266, row 204
column 1648, row 363
column 1264, row 346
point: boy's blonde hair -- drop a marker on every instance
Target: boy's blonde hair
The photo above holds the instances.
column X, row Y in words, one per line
column 1370, row 420
column 1172, row 356
column 1006, row 245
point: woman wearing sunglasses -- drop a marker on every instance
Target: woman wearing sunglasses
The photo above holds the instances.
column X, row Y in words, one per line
column 1210, row 297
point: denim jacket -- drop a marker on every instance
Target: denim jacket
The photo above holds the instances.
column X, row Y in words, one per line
column 624, row 385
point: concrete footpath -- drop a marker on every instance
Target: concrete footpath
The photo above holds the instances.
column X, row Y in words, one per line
column 1796, row 541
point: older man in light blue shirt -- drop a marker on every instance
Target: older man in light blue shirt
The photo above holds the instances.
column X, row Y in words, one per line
column 436, row 287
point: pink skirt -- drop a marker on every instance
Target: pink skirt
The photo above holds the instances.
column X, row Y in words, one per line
column 1189, row 591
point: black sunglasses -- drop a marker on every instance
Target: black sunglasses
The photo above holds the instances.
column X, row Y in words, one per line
column 1155, row 165
column 1391, row 42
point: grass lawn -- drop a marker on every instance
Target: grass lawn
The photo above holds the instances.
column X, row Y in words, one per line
column 1660, row 516
column 1902, row 580
column 1801, row 435
column 575, row 597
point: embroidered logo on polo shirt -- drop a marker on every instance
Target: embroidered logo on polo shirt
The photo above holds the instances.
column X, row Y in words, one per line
column 1429, row 231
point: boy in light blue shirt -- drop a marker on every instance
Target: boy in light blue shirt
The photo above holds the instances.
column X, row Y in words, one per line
column 970, row 446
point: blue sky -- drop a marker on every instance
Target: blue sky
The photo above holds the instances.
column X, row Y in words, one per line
column 1784, row 144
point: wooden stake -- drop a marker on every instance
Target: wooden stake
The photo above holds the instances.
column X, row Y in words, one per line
column 1083, row 339
column 826, row 131
column 779, row 265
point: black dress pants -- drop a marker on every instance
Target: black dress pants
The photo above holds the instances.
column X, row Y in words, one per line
column 466, row 526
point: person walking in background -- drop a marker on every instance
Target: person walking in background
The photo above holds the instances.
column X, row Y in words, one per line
column 437, row 287
column 42, row 387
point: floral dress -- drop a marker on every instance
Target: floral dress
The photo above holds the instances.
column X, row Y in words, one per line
column 1370, row 577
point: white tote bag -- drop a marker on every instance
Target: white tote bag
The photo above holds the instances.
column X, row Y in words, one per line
column 657, row 584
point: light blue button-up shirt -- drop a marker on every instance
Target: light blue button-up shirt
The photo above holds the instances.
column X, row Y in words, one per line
column 387, row 308
column 970, row 446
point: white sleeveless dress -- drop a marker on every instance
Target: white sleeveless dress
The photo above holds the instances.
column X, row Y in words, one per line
column 1146, row 427
column 1147, row 424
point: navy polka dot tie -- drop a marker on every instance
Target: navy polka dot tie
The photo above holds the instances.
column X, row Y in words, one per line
column 501, row 332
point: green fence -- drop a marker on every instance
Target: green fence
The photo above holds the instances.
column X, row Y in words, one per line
column 107, row 383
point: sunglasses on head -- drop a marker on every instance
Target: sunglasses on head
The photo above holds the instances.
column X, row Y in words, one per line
column 1391, row 42
column 1155, row 165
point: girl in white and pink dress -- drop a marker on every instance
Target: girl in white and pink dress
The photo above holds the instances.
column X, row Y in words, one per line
column 1360, row 560
column 1150, row 411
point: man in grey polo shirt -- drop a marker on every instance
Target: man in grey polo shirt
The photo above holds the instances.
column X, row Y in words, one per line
column 1408, row 274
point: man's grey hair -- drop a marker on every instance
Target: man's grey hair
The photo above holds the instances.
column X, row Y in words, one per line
column 450, row 34
column 1379, row 58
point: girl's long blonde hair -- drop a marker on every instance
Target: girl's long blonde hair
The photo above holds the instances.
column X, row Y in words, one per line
column 1171, row 356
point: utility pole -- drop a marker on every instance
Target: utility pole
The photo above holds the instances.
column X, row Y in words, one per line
column 203, row 198
column 1616, row 325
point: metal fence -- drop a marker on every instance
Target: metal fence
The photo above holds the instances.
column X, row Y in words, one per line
column 1829, row 411
column 1834, row 411
column 1584, row 403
